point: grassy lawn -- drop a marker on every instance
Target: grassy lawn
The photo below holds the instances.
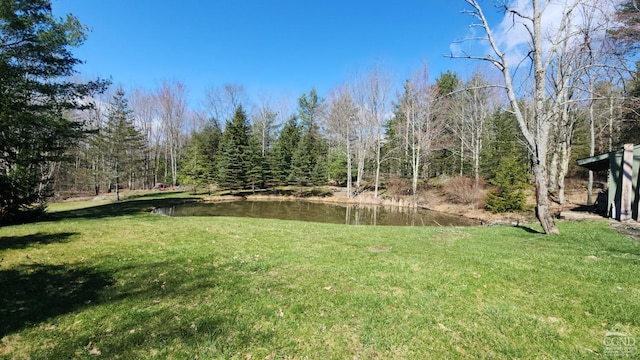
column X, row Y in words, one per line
column 114, row 281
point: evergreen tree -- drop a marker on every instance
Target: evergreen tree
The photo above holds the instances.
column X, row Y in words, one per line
column 310, row 109
column 630, row 129
column 257, row 164
column 337, row 168
column 510, row 181
column 271, row 172
column 198, row 166
column 503, row 139
column 283, row 152
column 447, row 83
column 210, row 137
column 303, row 162
column 234, row 159
column 320, row 170
column 36, row 65
column 193, row 166
column 309, row 163
column 626, row 31
column 394, row 149
column 122, row 142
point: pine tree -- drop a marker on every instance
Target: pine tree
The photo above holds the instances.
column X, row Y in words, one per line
column 630, row 133
column 193, row 167
column 198, row 166
column 257, row 165
column 309, row 163
column 36, row 91
column 320, row 170
column 283, row 152
column 303, row 162
column 233, row 162
column 122, row 141
column 337, row 168
column 503, row 139
column 210, row 136
column 510, row 181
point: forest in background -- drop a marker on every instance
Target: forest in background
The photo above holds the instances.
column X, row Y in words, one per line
column 568, row 89
column 361, row 131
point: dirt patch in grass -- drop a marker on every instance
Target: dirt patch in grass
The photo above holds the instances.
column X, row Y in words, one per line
column 377, row 249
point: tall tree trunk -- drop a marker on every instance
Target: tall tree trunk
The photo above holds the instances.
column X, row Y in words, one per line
column 377, row 180
column 349, row 177
column 553, row 166
column 611, row 130
column 117, row 182
column 476, row 159
column 462, row 152
column 542, row 128
column 416, row 172
column 542, row 203
column 360, row 158
column 592, row 141
column 565, row 155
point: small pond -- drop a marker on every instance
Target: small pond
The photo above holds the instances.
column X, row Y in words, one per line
column 320, row 212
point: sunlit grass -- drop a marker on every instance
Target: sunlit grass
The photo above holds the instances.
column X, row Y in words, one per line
column 115, row 281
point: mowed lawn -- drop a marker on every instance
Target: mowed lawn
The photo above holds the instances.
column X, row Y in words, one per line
column 114, row 281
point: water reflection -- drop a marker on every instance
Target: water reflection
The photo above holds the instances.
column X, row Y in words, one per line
column 320, row 212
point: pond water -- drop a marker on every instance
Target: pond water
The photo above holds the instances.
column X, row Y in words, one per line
column 320, row 212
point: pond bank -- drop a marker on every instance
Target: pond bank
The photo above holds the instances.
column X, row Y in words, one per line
column 431, row 200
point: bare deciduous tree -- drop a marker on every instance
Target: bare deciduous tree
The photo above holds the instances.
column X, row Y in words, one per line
column 472, row 106
column 145, row 110
column 372, row 96
column 263, row 119
column 222, row 102
column 544, row 48
column 416, row 106
column 172, row 98
column 584, row 54
column 340, row 122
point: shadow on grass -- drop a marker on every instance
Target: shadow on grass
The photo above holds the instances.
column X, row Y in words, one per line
column 22, row 242
column 33, row 293
column 200, row 307
column 138, row 205
column 528, row 229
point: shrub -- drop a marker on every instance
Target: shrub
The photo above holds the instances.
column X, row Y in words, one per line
column 438, row 182
column 510, row 181
column 462, row 190
column 397, row 187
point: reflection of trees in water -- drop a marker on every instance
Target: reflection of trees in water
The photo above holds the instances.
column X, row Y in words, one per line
column 329, row 213
column 168, row 211
column 395, row 215
column 347, row 215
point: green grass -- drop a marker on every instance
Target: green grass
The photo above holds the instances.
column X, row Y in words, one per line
column 113, row 281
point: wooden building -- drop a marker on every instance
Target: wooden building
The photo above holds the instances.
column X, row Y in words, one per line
column 622, row 196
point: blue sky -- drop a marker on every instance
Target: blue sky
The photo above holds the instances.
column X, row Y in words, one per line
column 282, row 47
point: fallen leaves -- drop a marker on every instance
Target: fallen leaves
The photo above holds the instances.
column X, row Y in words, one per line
column 92, row 350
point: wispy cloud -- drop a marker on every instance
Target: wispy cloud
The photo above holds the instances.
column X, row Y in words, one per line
column 511, row 31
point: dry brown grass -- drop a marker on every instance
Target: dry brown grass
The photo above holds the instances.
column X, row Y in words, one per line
column 463, row 191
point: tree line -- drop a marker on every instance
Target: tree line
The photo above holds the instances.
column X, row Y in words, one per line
column 447, row 127
column 577, row 97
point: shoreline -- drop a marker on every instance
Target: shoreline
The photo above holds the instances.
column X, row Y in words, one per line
column 431, row 200
column 438, row 204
